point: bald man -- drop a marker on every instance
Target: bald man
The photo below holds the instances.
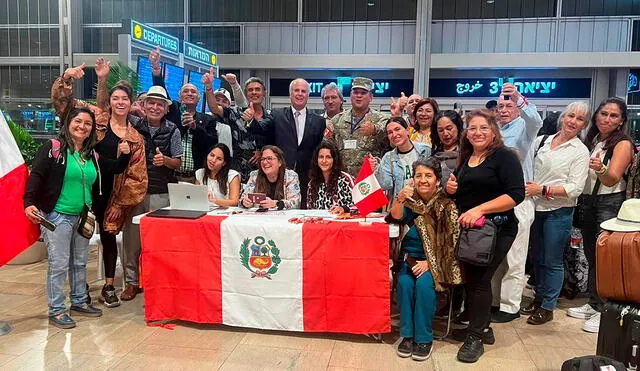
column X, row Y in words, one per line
column 198, row 130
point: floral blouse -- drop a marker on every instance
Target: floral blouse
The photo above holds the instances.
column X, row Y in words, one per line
column 325, row 201
column 292, row 196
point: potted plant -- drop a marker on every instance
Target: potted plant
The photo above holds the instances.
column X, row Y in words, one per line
column 28, row 148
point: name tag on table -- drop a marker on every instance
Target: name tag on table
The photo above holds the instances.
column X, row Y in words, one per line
column 350, row 144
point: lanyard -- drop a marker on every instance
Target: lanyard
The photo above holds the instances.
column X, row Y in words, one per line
column 84, row 183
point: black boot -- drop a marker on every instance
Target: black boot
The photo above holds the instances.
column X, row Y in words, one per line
column 461, row 335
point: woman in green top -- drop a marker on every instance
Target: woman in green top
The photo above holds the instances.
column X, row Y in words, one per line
column 428, row 247
column 59, row 188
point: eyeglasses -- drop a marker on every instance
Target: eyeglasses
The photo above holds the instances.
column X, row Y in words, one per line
column 268, row 159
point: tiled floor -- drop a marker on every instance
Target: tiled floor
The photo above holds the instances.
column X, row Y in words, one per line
column 120, row 340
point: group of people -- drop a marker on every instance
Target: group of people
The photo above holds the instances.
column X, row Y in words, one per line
column 442, row 174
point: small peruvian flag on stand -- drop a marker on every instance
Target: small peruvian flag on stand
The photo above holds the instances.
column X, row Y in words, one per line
column 367, row 194
column 16, row 231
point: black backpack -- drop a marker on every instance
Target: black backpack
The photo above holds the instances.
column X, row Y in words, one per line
column 591, row 363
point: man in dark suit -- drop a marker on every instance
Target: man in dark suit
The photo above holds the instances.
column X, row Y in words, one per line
column 296, row 131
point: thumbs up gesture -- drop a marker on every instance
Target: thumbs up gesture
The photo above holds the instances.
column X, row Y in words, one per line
column 123, row 147
column 158, row 159
column 452, row 185
column 75, row 72
column 207, row 78
column 230, row 78
column 407, row 192
column 249, row 113
column 595, row 163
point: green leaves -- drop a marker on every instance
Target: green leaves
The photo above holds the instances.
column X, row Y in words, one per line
column 244, row 253
column 119, row 72
column 27, row 145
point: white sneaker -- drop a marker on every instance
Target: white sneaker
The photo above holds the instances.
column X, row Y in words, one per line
column 592, row 324
column 583, row 312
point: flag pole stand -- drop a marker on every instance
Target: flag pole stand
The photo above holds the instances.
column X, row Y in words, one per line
column 5, row 328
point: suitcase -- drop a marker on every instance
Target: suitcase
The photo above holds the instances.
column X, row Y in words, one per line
column 592, row 363
column 618, row 266
column 619, row 331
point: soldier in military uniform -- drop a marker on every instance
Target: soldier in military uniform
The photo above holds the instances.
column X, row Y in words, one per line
column 360, row 130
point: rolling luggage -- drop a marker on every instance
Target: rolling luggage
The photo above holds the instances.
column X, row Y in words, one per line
column 619, row 331
column 592, row 363
column 618, row 266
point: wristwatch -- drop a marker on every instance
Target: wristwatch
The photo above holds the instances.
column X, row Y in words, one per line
column 280, row 204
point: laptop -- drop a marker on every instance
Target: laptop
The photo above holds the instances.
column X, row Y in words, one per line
column 187, row 201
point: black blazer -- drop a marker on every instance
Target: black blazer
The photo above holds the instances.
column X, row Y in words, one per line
column 281, row 129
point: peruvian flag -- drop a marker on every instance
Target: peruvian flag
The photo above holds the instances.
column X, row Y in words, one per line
column 367, row 194
column 16, row 232
column 265, row 272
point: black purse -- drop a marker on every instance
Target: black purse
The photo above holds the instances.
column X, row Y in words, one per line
column 477, row 245
column 585, row 202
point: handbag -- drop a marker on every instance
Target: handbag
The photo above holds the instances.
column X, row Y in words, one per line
column 87, row 221
column 585, row 202
column 477, row 245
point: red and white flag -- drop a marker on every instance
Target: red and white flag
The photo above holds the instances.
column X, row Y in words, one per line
column 16, row 231
column 264, row 272
column 367, row 194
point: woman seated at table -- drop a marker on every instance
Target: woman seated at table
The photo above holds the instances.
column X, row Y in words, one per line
column 222, row 182
column 428, row 249
column 329, row 188
column 280, row 185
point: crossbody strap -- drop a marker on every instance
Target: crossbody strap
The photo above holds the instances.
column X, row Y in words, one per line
column 607, row 157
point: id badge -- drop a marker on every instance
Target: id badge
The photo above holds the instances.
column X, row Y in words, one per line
column 350, row 144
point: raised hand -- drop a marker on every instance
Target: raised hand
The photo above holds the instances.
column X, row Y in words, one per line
column 154, row 57
column 367, row 128
column 595, row 163
column 207, row 78
column 403, row 100
column 396, row 111
column 102, row 68
column 75, row 73
column 512, row 91
column 230, row 78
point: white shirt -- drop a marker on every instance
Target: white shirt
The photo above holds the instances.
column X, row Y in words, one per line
column 212, row 184
column 521, row 132
column 302, row 120
column 566, row 166
column 621, row 186
column 407, row 160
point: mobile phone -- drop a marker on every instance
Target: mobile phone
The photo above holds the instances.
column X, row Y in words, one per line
column 47, row 224
column 506, row 97
column 183, row 110
column 256, row 198
column 262, row 210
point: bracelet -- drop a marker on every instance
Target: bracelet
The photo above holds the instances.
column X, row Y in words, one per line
column 208, row 89
column 549, row 195
column 544, row 190
column 602, row 170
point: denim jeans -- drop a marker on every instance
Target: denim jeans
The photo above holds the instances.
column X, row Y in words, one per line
column 131, row 244
column 550, row 233
column 597, row 210
column 417, row 304
column 68, row 252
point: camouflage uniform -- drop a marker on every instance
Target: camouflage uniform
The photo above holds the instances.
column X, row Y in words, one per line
column 376, row 144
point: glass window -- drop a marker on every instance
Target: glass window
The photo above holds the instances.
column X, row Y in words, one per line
column 146, row 11
column 358, row 10
column 577, row 8
column 27, row 81
column 222, row 40
column 635, row 36
column 483, row 9
column 243, row 10
column 100, row 40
